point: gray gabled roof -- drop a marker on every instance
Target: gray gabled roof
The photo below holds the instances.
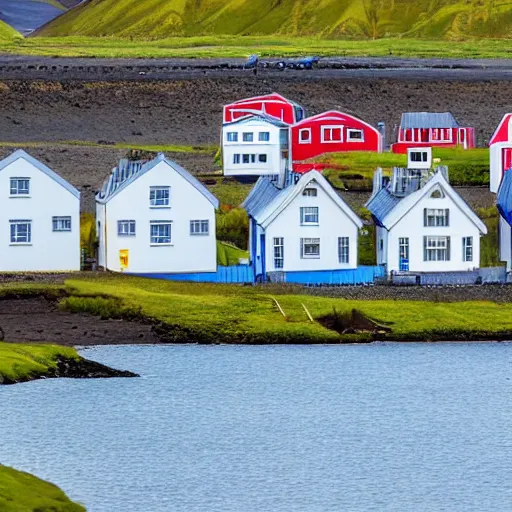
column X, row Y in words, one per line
column 428, row 120
column 41, row 167
column 381, row 204
column 261, row 195
column 128, row 171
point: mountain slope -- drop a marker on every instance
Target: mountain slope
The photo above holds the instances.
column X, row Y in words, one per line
column 444, row 19
column 7, row 33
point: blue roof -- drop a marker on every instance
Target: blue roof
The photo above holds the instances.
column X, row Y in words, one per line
column 504, row 197
column 128, row 171
column 428, row 120
column 261, row 195
column 382, row 204
column 40, row 166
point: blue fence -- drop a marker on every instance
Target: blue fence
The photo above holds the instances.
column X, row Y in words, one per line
column 234, row 274
column 360, row 275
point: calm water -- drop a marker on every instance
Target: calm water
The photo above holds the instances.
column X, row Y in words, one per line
column 27, row 15
column 387, row 427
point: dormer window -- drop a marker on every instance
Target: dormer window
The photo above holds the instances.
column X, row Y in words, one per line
column 20, row 186
column 310, row 192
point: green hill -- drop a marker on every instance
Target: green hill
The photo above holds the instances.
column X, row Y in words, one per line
column 154, row 19
column 7, row 33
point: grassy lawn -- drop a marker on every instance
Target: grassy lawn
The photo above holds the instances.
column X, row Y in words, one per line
column 242, row 46
column 21, row 492
column 228, row 254
column 212, row 313
column 24, row 362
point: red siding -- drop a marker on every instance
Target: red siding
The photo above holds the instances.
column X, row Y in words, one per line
column 502, row 132
column 273, row 104
column 419, row 137
column 329, row 133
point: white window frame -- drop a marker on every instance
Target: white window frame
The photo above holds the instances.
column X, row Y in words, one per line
column 200, row 227
column 154, row 239
column 423, row 156
column 126, row 228
column 153, row 201
column 324, row 128
column 436, row 248
column 278, row 252
column 304, row 242
column 467, row 248
column 232, row 137
column 310, row 192
column 247, row 136
column 350, row 137
column 61, row 224
column 343, row 249
column 15, row 237
column 305, row 141
column 14, row 187
column 261, row 137
column 311, row 212
column 436, row 217
column 260, row 161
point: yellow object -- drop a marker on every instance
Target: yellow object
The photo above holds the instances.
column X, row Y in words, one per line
column 123, row 258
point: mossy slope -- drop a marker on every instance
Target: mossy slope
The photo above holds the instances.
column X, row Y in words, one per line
column 21, row 492
column 449, row 19
column 7, row 33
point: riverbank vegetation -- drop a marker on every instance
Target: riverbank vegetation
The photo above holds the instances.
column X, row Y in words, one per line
column 213, row 313
column 21, row 492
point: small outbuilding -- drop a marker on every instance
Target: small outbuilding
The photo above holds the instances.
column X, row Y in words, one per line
column 305, row 226
column 155, row 217
column 39, row 218
column 429, row 129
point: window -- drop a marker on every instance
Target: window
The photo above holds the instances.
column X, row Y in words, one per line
column 436, row 217
column 309, row 215
column 159, row 196
column 332, row 133
column 160, row 232
column 264, row 136
column 419, row 156
column 343, row 249
column 310, row 248
column 381, row 244
column 436, row 248
column 355, row 135
column 232, row 137
column 403, row 254
column 310, row 192
column 61, row 223
column 467, row 248
column 305, row 136
column 236, row 159
column 20, row 186
column 262, row 159
column 437, row 194
column 21, row 231
column 278, row 252
column 126, row 228
column 199, row 227
column 248, row 159
column 248, row 136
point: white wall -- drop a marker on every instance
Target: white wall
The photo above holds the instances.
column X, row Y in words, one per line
column 411, row 226
column 505, row 241
column 333, row 223
column 48, row 251
column 272, row 149
column 496, row 165
column 381, row 234
column 187, row 253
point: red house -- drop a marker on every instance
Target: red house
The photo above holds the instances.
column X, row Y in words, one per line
column 273, row 104
column 332, row 132
column 419, row 129
column 500, row 151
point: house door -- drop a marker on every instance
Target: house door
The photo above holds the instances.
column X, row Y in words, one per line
column 463, row 138
column 506, row 159
column 403, row 254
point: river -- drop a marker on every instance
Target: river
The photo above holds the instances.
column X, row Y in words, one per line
column 358, row 428
column 27, row 15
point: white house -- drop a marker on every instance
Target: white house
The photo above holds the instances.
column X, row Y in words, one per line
column 155, row 217
column 500, row 152
column 305, row 226
column 39, row 218
column 256, row 145
column 423, row 225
